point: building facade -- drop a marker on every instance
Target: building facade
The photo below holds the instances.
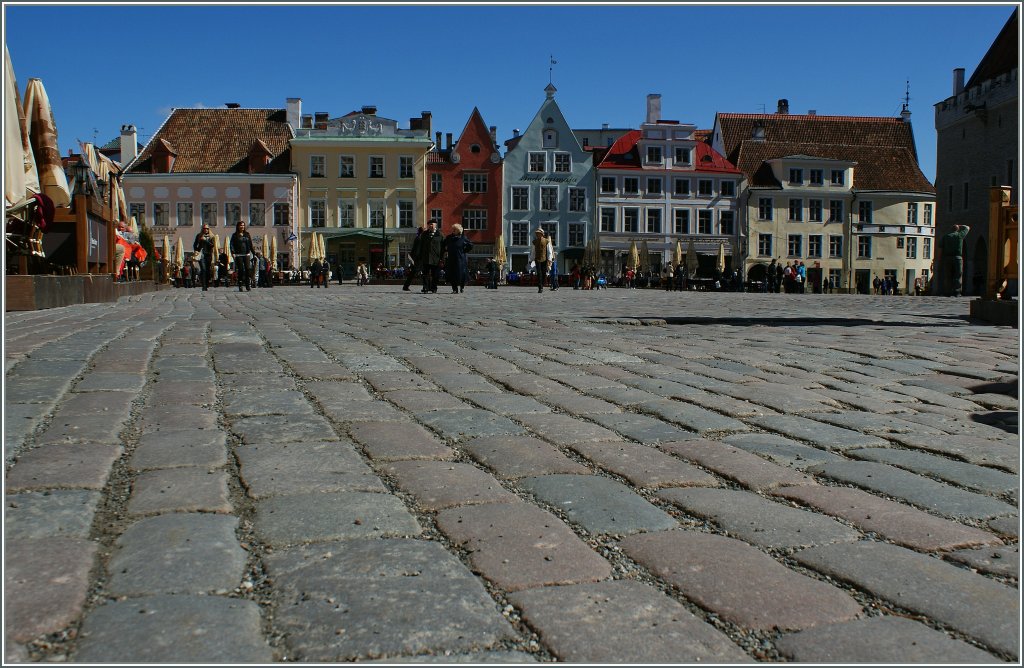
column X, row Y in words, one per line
column 548, row 183
column 978, row 144
column 844, row 195
column 361, row 184
column 215, row 166
column 660, row 185
column 465, row 187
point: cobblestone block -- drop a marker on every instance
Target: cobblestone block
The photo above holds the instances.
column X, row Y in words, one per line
column 624, row 396
column 288, row 468
column 390, row 441
column 736, row 464
column 791, row 401
column 96, row 428
column 109, row 380
column 584, row 382
column 598, row 504
column 45, row 584
column 314, row 517
column 506, row 404
column 73, row 465
column 643, row 428
column 438, row 485
column 115, row 403
column 580, row 405
column 817, row 433
column 872, row 423
column 1006, row 526
column 693, row 418
column 464, row 384
column 644, row 465
column 864, row 402
column 421, row 401
column 937, row 398
column 513, row 457
column 283, row 429
column 173, row 418
column 390, row 381
column 458, row 424
column 185, row 447
column 1002, row 560
column 180, row 490
column 63, row 513
column 322, row 371
column 196, row 393
column 362, row 411
column 970, row 449
column 532, row 384
column 334, row 392
column 259, row 401
column 978, row 478
column 781, row 450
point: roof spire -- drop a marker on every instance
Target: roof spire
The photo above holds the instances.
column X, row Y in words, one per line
column 905, row 114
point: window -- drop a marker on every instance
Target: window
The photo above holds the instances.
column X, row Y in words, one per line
column 911, row 248
column 727, row 222
column 682, row 221
column 926, row 248
column 967, row 195
column 608, row 184
column 282, row 214
column 796, row 177
column 607, row 219
column 549, row 198
column 814, row 245
column 654, row 221
column 138, row 211
column 563, row 163
column 317, row 166
column 704, row 187
column 814, row 210
column 405, row 215
column 435, row 183
column 346, row 213
column 764, row 245
column 317, row 213
column 682, row 156
column 257, row 213
column 208, row 213
column 794, row 246
column 682, row 187
column 437, row 217
column 727, row 188
column 654, row 154
column 704, row 222
column 816, row 177
column 835, row 245
column 864, row 247
column 377, row 213
column 838, row 177
column 764, row 208
column 537, row 162
column 912, row 213
column 474, row 219
column 577, row 200
column 924, row 276
column 520, row 198
column 796, row 210
column 864, row 212
column 520, row 234
column 928, row 215
column 631, row 219
column 653, row 185
column 577, row 234
column 347, row 167
column 184, row 214
column 376, row 166
column 950, row 200
column 474, row 182
column 550, row 139
column 835, row 211
column 161, row 214
column 551, row 230
column 834, row 276
column 232, row 213
column 630, row 185
column 405, row 166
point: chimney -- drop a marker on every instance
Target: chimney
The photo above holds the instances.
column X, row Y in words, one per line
column 494, row 134
column 905, row 114
column 448, row 140
column 783, row 107
column 653, row 108
column 812, row 112
column 129, row 144
column 232, row 105
column 437, row 140
column 307, row 121
column 604, row 126
column 958, row 81
column 515, row 132
column 294, row 106
column 320, row 120
column 427, row 121
column 369, row 109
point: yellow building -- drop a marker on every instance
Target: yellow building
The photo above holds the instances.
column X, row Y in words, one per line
column 361, row 184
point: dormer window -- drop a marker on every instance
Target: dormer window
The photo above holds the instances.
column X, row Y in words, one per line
column 817, row 177
column 796, row 177
column 654, row 154
column 682, row 156
column 550, row 138
column 838, row 177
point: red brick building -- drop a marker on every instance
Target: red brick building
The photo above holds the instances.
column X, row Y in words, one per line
column 464, row 185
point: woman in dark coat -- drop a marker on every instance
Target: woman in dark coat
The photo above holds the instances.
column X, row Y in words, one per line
column 456, row 267
column 242, row 249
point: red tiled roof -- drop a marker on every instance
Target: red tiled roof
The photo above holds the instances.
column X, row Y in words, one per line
column 623, row 154
column 219, row 140
column 702, row 135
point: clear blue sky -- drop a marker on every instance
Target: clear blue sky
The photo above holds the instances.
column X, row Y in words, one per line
column 104, row 66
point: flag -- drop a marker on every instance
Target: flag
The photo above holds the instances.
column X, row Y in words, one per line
column 292, row 237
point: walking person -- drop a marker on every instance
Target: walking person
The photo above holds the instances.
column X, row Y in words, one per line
column 553, row 261
column 492, row 274
column 429, row 259
column 540, row 256
column 314, row 273
column 412, row 267
column 456, row 266
column 203, row 247
column 242, row 249
column 325, row 273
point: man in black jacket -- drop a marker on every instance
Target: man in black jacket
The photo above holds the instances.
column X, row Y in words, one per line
column 429, row 257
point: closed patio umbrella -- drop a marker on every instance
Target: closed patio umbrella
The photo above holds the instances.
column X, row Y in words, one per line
column 691, row 259
column 597, row 253
column 266, row 246
column 179, row 252
column 720, row 260
column 634, row 255
column 42, row 132
column 20, row 176
column 645, row 255
column 273, row 251
column 677, row 258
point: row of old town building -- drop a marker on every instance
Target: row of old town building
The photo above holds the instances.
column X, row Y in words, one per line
column 842, row 194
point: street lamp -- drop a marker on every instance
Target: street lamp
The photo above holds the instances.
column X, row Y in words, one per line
column 81, row 171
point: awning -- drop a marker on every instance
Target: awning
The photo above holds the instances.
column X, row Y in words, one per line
column 351, row 233
column 573, row 253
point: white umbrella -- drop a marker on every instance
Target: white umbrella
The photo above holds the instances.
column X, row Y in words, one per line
column 678, row 256
column 720, row 260
column 273, row 251
column 179, row 253
column 20, row 177
column 645, row 255
column 634, row 255
column 42, row 132
column 691, row 259
column 266, row 246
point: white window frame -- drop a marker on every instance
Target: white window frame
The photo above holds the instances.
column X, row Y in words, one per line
column 605, row 181
column 371, row 165
column 683, row 156
column 317, row 163
column 346, row 212
column 474, row 219
column 208, row 213
column 406, row 167
column 254, row 214
column 551, row 231
column 838, row 177
column 282, row 214
column 577, row 235
column 405, row 213
column 816, row 177
column 229, row 219
column 911, row 248
column 608, row 218
column 546, row 200
column 833, row 206
column 912, row 213
column 523, row 191
column 727, row 188
column 927, row 215
column 562, row 162
column 681, row 221
column 795, row 242
column 520, row 232
column 681, row 192
column 177, row 212
column 764, row 245
column 705, row 221
column 161, row 216
column 705, row 187
column 577, row 200
column 376, row 208
column 626, row 213
column 627, row 182
column 652, row 159
column 348, row 161
column 657, row 190
column 796, row 176
column 835, row 246
column 863, row 243
column 317, row 206
column 815, row 210
column 796, row 210
column 652, row 221
column 722, row 216
column 812, row 241
column 926, row 248
column 532, row 160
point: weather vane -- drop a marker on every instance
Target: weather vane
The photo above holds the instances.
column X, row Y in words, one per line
column 551, row 68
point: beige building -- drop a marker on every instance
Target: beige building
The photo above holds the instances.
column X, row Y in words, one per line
column 844, row 195
column 361, row 184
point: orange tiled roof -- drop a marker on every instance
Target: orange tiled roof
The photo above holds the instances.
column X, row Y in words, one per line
column 219, row 140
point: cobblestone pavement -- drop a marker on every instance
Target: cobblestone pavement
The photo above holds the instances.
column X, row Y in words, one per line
column 506, row 476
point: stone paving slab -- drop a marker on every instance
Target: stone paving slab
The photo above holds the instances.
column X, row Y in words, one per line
column 643, row 428
column 879, row 640
column 968, row 602
column 179, row 553
column 1006, row 526
column 817, row 433
column 1002, row 560
column 624, row 396
column 872, row 423
column 584, row 382
column 704, row 567
column 899, row 523
column 729, row 406
column 282, row 429
column 110, row 380
column 390, row 441
column 20, row 420
column 459, row 424
column 759, row 521
column 439, row 485
column 184, row 447
column 995, row 401
column 380, row 598
column 513, row 457
column 74, row 465
column 180, row 490
column 288, row 468
column 600, row 505
column 94, row 428
column 45, row 584
column 321, row 371
column 644, row 466
column 420, row 401
column 156, row 418
column 788, row 400
column 64, row 513
column 508, row 405
column 531, row 384
column 174, row 629
column 937, row 398
column 935, row 496
column 22, row 390
column 780, row 450
column 115, row 403
column 580, row 405
column 974, row 450
column 693, row 418
column 345, row 410
column 472, row 657
column 978, row 478
column 313, row 517
column 197, row 393
column 519, row 546
column 243, row 402
column 749, row 470
column 389, row 381
column 337, row 392
column 622, row 622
